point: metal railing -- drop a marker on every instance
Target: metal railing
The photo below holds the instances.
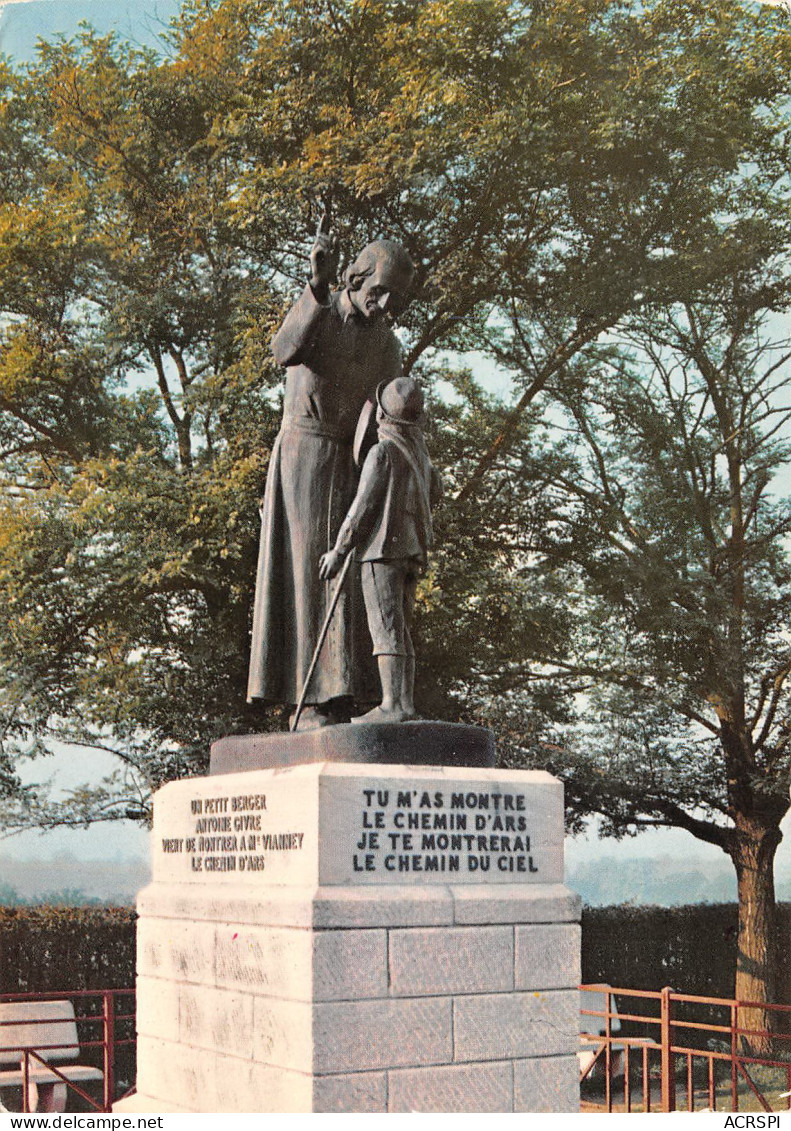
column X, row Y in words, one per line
column 673, row 1052
column 97, row 1012
column 683, row 1052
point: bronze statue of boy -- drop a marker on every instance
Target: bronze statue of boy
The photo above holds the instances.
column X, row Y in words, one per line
column 389, row 524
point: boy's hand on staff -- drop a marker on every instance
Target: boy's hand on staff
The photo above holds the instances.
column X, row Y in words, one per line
column 330, row 564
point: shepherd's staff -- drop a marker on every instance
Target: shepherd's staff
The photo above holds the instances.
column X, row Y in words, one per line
column 322, row 637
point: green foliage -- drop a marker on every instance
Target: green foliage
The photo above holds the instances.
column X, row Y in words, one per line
column 692, row 948
column 668, row 513
column 652, row 947
column 53, row 948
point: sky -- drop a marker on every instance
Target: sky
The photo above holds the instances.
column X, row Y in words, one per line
column 21, row 23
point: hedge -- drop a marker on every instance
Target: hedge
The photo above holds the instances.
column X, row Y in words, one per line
column 58, row 948
column 692, row 948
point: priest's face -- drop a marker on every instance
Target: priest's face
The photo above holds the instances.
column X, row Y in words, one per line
column 383, row 293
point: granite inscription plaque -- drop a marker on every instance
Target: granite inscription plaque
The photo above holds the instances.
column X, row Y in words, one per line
column 454, row 832
column 339, row 824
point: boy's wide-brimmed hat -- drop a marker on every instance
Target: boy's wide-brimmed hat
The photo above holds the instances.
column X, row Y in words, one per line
column 401, row 400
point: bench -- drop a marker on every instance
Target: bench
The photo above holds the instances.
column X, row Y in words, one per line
column 39, row 1025
column 593, row 1035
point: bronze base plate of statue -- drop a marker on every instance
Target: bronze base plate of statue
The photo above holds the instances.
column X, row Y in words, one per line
column 420, row 743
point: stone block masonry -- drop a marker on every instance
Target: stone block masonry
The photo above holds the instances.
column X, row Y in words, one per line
column 343, row 971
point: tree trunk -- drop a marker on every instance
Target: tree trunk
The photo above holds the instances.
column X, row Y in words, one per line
column 753, row 852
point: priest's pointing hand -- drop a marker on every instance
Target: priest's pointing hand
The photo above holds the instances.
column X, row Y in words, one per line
column 323, row 260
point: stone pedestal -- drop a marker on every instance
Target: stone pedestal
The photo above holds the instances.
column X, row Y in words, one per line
column 339, row 937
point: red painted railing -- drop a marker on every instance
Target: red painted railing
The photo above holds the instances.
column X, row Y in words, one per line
column 640, row 1050
column 681, row 1052
column 105, row 1021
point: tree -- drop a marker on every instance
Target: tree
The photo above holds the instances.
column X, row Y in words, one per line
column 660, row 516
column 697, row 594
column 655, row 513
column 134, row 436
